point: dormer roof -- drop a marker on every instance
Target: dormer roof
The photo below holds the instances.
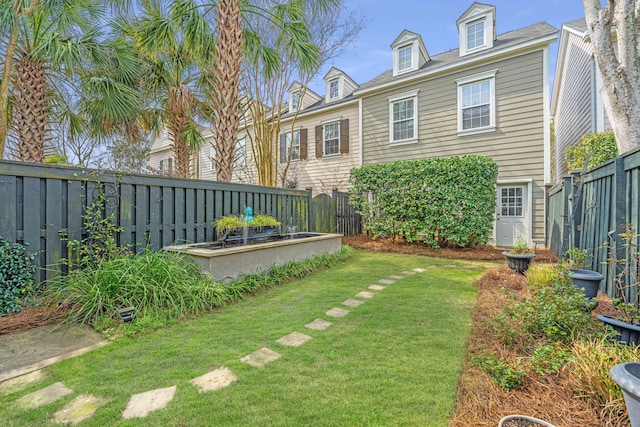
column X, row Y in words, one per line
column 336, row 72
column 409, row 53
column 485, row 16
column 407, row 37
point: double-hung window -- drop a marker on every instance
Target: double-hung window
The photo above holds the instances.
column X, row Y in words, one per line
column 405, row 58
column 295, row 100
column 476, row 103
column 403, row 114
column 475, row 35
column 334, row 89
column 292, row 145
column 331, row 139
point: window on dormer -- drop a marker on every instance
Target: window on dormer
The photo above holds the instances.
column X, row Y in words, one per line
column 475, row 35
column 295, row 100
column 334, row 87
column 405, row 58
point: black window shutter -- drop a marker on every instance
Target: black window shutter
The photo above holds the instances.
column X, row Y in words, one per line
column 283, row 148
column 303, row 144
column 344, row 136
column 319, row 141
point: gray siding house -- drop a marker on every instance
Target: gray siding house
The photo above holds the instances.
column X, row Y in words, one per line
column 488, row 97
column 576, row 105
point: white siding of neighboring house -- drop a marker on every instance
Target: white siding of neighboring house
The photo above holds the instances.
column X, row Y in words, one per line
column 242, row 173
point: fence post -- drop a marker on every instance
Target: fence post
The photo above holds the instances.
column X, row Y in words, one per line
column 547, row 216
column 620, row 220
column 311, row 226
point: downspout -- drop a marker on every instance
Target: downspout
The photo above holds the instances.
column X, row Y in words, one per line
column 360, row 144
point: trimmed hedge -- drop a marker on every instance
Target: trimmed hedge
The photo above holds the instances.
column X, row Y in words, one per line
column 439, row 201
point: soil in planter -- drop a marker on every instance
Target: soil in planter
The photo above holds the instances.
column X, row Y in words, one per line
column 521, row 423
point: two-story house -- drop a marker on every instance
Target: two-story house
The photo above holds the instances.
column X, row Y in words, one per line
column 319, row 138
column 488, row 97
column 576, row 104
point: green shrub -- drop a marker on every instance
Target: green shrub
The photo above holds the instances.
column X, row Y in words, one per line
column 600, row 146
column 16, row 276
column 507, row 375
column 439, row 201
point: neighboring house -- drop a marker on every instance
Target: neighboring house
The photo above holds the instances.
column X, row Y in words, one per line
column 322, row 138
column 488, row 97
column 576, row 105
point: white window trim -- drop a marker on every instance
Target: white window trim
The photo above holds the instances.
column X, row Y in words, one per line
column 528, row 182
column 324, row 151
column 395, row 98
column 414, row 58
column 296, row 129
column 339, row 95
column 466, row 34
column 212, row 154
column 488, row 75
column 488, row 32
column 299, row 106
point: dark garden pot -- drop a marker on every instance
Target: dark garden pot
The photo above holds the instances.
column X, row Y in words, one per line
column 586, row 280
column 523, row 421
column 627, row 333
column 519, row 263
column 627, row 376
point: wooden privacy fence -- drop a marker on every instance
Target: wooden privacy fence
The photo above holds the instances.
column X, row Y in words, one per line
column 334, row 214
column 610, row 202
column 39, row 204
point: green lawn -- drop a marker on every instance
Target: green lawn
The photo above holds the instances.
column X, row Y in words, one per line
column 394, row 360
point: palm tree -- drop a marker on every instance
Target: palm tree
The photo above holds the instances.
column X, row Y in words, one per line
column 175, row 44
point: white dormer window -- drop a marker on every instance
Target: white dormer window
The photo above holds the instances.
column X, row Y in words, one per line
column 475, row 35
column 405, row 58
column 334, row 89
column 477, row 28
column 295, row 100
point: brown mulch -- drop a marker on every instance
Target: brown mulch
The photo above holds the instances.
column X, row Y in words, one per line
column 30, row 317
column 400, row 246
column 481, row 402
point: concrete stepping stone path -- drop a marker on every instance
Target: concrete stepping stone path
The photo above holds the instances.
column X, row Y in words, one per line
column 365, row 294
column 19, row 383
column 396, row 277
column 318, row 325
column 219, row 378
column 79, row 409
column 337, row 312
column 386, row 281
column 260, row 358
column 376, row 287
column 44, row 396
column 419, row 270
column 408, row 273
column 294, row 339
column 352, row 302
column 140, row 405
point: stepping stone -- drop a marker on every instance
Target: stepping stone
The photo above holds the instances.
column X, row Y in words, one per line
column 44, row 396
column 386, row 281
column 318, row 325
column 395, row 276
column 471, row 267
column 352, row 302
column 451, row 266
column 376, row 287
column 434, row 266
column 365, row 294
column 337, row 312
column 79, row 409
column 261, row 357
column 419, row 270
column 19, row 383
column 140, row 405
column 294, row 339
column 408, row 273
column 219, row 378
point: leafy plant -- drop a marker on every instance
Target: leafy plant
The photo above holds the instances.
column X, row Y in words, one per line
column 438, row 201
column 548, row 358
column 625, row 275
column 599, row 146
column 226, row 224
column 16, row 276
column 507, row 375
column 575, row 258
column 99, row 241
column 521, row 248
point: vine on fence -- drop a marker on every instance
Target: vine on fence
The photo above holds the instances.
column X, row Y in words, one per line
column 439, row 201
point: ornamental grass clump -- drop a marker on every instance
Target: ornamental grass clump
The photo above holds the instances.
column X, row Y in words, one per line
column 229, row 223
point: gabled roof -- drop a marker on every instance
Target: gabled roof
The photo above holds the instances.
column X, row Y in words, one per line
column 540, row 32
column 409, row 36
column 579, row 28
column 334, row 72
column 476, row 9
column 578, row 25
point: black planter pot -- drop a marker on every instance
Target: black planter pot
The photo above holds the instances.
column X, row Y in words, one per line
column 627, row 376
column 627, row 333
column 586, row 280
column 517, row 262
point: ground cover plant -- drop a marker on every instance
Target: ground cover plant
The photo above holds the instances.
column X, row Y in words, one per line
column 393, row 360
column 536, row 349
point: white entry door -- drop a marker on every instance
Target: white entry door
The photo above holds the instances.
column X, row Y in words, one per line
column 512, row 216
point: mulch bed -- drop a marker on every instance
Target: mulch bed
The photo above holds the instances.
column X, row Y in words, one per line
column 400, row 246
column 30, row 317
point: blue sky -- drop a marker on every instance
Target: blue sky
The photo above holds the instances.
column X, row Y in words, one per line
column 435, row 21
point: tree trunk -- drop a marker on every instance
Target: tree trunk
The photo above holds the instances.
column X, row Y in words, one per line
column 620, row 70
column 180, row 102
column 31, row 109
column 226, row 83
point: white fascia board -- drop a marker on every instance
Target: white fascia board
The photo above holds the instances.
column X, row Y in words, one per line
column 320, row 110
column 489, row 55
